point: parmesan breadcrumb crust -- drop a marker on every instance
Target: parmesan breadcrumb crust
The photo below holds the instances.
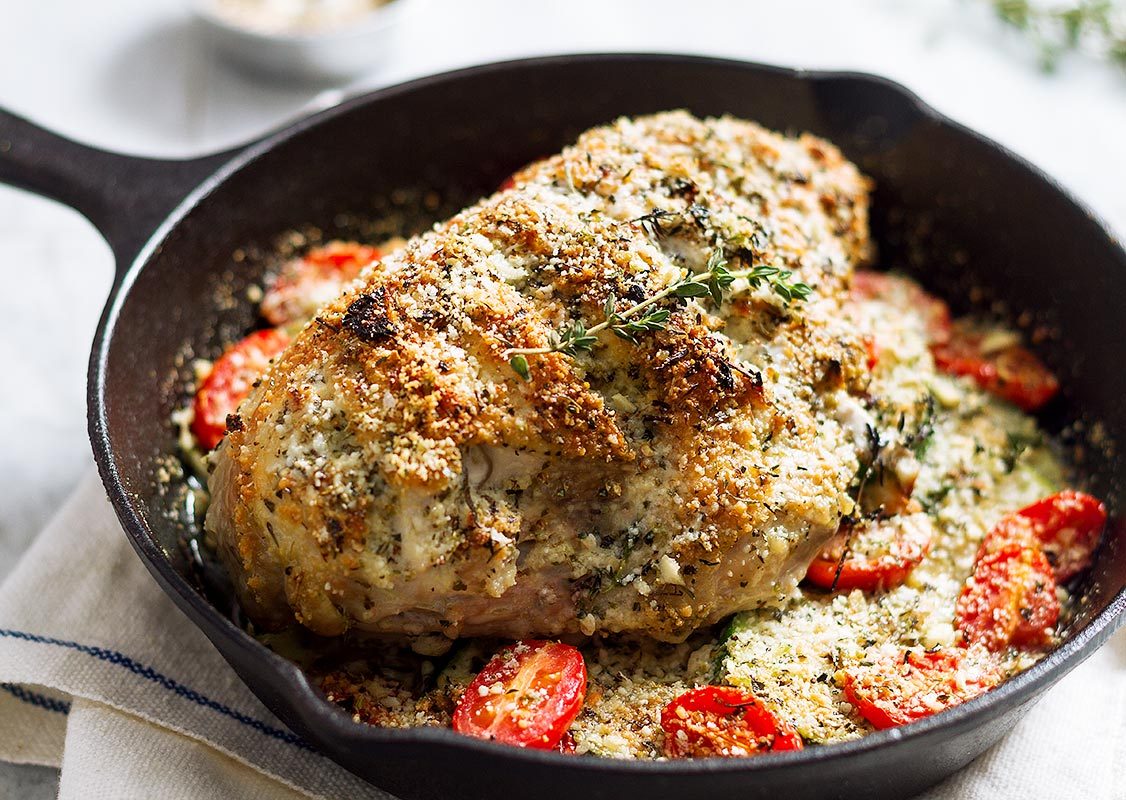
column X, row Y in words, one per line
column 393, row 474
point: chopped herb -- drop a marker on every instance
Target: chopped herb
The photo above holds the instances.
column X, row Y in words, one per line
column 722, row 648
column 1017, row 444
column 519, row 365
column 920, row 439
column 935, row 498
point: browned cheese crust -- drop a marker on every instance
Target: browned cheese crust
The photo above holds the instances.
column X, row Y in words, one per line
column 392, row 473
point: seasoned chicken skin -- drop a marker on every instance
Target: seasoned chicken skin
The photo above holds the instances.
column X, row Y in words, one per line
column 393, row 473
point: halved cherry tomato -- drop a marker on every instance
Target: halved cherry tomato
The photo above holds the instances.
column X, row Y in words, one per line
column 1012, row 373
column 1011, row 529
column 905, row 293
column 230, row 381
column 307, row 283
column 1010, row 601
column 527, row 695
column 723, row 721
column 873, row 554
column 913, row 685
column 346, row 256
column 1066, row 526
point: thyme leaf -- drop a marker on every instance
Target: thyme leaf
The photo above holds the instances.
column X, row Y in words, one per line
column 713, row 282
column 519, row 365
column 574, row 339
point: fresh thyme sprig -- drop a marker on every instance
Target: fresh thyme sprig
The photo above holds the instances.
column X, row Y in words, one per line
column 713, row 282
column 1057, row 28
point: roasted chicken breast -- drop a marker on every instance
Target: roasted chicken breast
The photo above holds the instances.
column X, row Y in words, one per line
column 393, row 473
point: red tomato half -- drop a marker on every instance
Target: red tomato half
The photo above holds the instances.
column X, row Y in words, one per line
column 307, row 283
column 905, row 293
column 915, row 685
column 1012, row 373
column 348, row 257
column 873, row 554
column 1010, row 601
column 1011, row 529
column 527, row 695
column 230, row 381
column 1067, row 526
column 723, row 721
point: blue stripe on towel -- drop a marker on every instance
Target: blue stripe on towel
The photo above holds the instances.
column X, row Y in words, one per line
column 36, row 699
column 150, row 674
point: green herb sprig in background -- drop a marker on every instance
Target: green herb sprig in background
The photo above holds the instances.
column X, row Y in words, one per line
column 1059, row 28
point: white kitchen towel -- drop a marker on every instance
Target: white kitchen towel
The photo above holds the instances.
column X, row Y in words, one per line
column 100, row 673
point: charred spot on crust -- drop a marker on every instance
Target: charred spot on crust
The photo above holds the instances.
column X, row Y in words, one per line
column 367, row 316
column 724, row 378
column 681, row 187
column 635, row 292
column 234, row 423
column 832, row 374
column 696, row 376
column 336, row 531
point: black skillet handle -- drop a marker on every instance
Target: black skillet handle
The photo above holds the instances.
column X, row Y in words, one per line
column 125, row 197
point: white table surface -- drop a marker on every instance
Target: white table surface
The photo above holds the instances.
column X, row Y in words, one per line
column 133, row 75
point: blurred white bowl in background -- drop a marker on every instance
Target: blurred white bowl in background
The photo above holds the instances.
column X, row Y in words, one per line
column 317, row 54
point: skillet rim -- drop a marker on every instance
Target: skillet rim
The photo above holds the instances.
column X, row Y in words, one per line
column 331, row 723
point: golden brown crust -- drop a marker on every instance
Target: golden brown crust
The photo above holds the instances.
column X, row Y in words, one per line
column 416, row 483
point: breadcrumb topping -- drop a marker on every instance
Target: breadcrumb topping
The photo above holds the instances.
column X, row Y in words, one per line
column 653, row 486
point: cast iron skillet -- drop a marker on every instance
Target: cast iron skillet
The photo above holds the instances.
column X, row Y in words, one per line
column 949, row 206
